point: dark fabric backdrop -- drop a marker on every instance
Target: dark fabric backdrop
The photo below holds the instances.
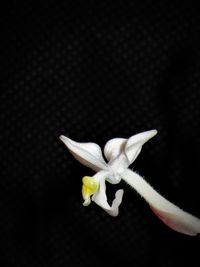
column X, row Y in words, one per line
column 93, row 71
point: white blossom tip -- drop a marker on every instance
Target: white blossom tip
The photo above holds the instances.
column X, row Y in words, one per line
column 134, row 144
column 153, row 132
column 63, row 138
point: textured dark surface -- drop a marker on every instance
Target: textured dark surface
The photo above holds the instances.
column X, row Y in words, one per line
column 93, row 72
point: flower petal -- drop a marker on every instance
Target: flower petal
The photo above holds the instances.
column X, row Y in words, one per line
column 135, row 143
column 114, row 211
column 170, row 214
column 114, row 147
column 100, row 198
column 89, row 154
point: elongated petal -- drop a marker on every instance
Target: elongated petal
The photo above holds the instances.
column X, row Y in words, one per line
column 114, row 211
column 114, row 147
column 135, row 143
column 100, row 199
column 89, row 154
column 170, row 214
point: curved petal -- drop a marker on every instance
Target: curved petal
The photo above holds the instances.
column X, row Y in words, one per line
column 170, row 214
column 114, row 211
column 89, row 154
column 100, row 199
column 135, row 143
column 114, row 147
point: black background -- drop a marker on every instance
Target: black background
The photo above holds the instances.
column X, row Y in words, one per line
column 93, row 71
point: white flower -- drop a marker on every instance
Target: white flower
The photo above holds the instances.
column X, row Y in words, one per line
column 120, row 153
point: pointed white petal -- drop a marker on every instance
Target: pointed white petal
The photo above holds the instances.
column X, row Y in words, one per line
column 89, row 154
column 114, row 147
column 170, row 214
column 135, row 143
column 100, row 199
